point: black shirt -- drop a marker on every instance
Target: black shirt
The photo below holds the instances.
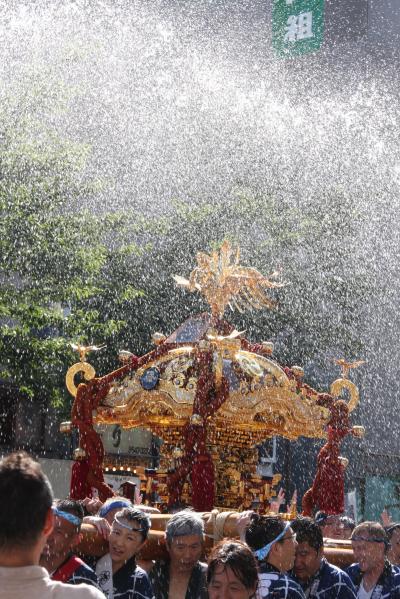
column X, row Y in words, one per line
column 197, row 586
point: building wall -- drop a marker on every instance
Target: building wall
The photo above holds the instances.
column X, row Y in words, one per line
column 59, row 474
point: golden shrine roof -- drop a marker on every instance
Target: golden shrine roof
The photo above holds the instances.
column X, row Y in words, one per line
column 262, row 398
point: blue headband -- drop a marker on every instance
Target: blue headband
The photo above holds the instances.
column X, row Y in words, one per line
column 368, row 540
column 67, row 516
column 118, row 521
column 113, row 505
column 263, row 552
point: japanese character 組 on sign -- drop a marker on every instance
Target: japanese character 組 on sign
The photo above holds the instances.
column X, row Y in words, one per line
column 297, row 26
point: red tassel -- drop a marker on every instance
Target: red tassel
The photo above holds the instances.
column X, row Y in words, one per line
column 79, row 488
column 203, row 478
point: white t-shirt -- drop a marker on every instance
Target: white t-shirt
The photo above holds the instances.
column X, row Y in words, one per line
column 362, row 593
column 34, row 582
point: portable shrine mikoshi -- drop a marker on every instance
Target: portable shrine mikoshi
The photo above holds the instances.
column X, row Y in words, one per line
column 212, row 396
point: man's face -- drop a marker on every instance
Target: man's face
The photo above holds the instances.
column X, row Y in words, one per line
column 286, row 549
column 60, row 542
column 185, row 552
column 226, row 585
column 395, row 546
column 332, row 528
column 368, row 553
column 307, row 561
column 124, row 542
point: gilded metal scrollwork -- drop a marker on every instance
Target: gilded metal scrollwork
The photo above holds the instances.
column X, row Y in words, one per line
column 337, row 388
column 88, row 373
column 344, row 383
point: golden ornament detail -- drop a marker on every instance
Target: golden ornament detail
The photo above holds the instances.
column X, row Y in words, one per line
column 196, row 419
column 66, row 427
column 224, row 282
column 79, row 454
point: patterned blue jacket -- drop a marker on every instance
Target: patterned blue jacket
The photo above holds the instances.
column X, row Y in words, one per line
column 82, row 573
column 388, row 585
column 129, row 582
column 275, row 585
column 329, row 583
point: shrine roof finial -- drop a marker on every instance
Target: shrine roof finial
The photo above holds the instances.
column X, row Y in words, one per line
column 223, row 281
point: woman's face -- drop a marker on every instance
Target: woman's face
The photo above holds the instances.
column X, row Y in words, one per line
column 124, row 542
column 225, row 585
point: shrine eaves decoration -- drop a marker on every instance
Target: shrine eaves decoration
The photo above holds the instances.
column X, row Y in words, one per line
column 210, row 395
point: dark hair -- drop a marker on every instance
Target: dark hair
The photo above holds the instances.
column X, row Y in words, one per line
column 374, row 530
column 391, row 528
column 71, row 507
column 349, row 522
column 307, row 531
column 320, row 518
column 238, row 557
column 262, row 530
column 25, row 498
column 133, row 514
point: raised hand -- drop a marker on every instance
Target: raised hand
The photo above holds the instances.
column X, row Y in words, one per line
column 276, row 504
column 386, row 518
column 138, row 497
column 292, row 506
column 101, row 524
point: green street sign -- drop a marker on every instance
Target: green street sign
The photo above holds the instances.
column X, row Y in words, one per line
column 297, row 26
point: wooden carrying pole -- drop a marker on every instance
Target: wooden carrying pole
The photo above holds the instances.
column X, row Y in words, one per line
column 217, row 525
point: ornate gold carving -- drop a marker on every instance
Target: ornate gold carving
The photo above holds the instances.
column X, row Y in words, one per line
column 158, row 338
column 346, row 366
column 177, row 368
column 223, row 281
column 268, row 347
column 66, row 427
column 224, row 347
column 337, row 388
column 85, row 349
column 298, row 371
column 124, row 356
column 249, row 363
column 79, row 454
column 177, row 453
column 343, row 383
column 261, row 402
column 192, row 384
column 358, row 431
column 88, row 373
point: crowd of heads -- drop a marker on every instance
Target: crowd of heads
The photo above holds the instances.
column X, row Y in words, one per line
column 30, row 517
column 335, row 526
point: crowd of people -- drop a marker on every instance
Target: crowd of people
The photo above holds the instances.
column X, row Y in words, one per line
column 273, row 558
